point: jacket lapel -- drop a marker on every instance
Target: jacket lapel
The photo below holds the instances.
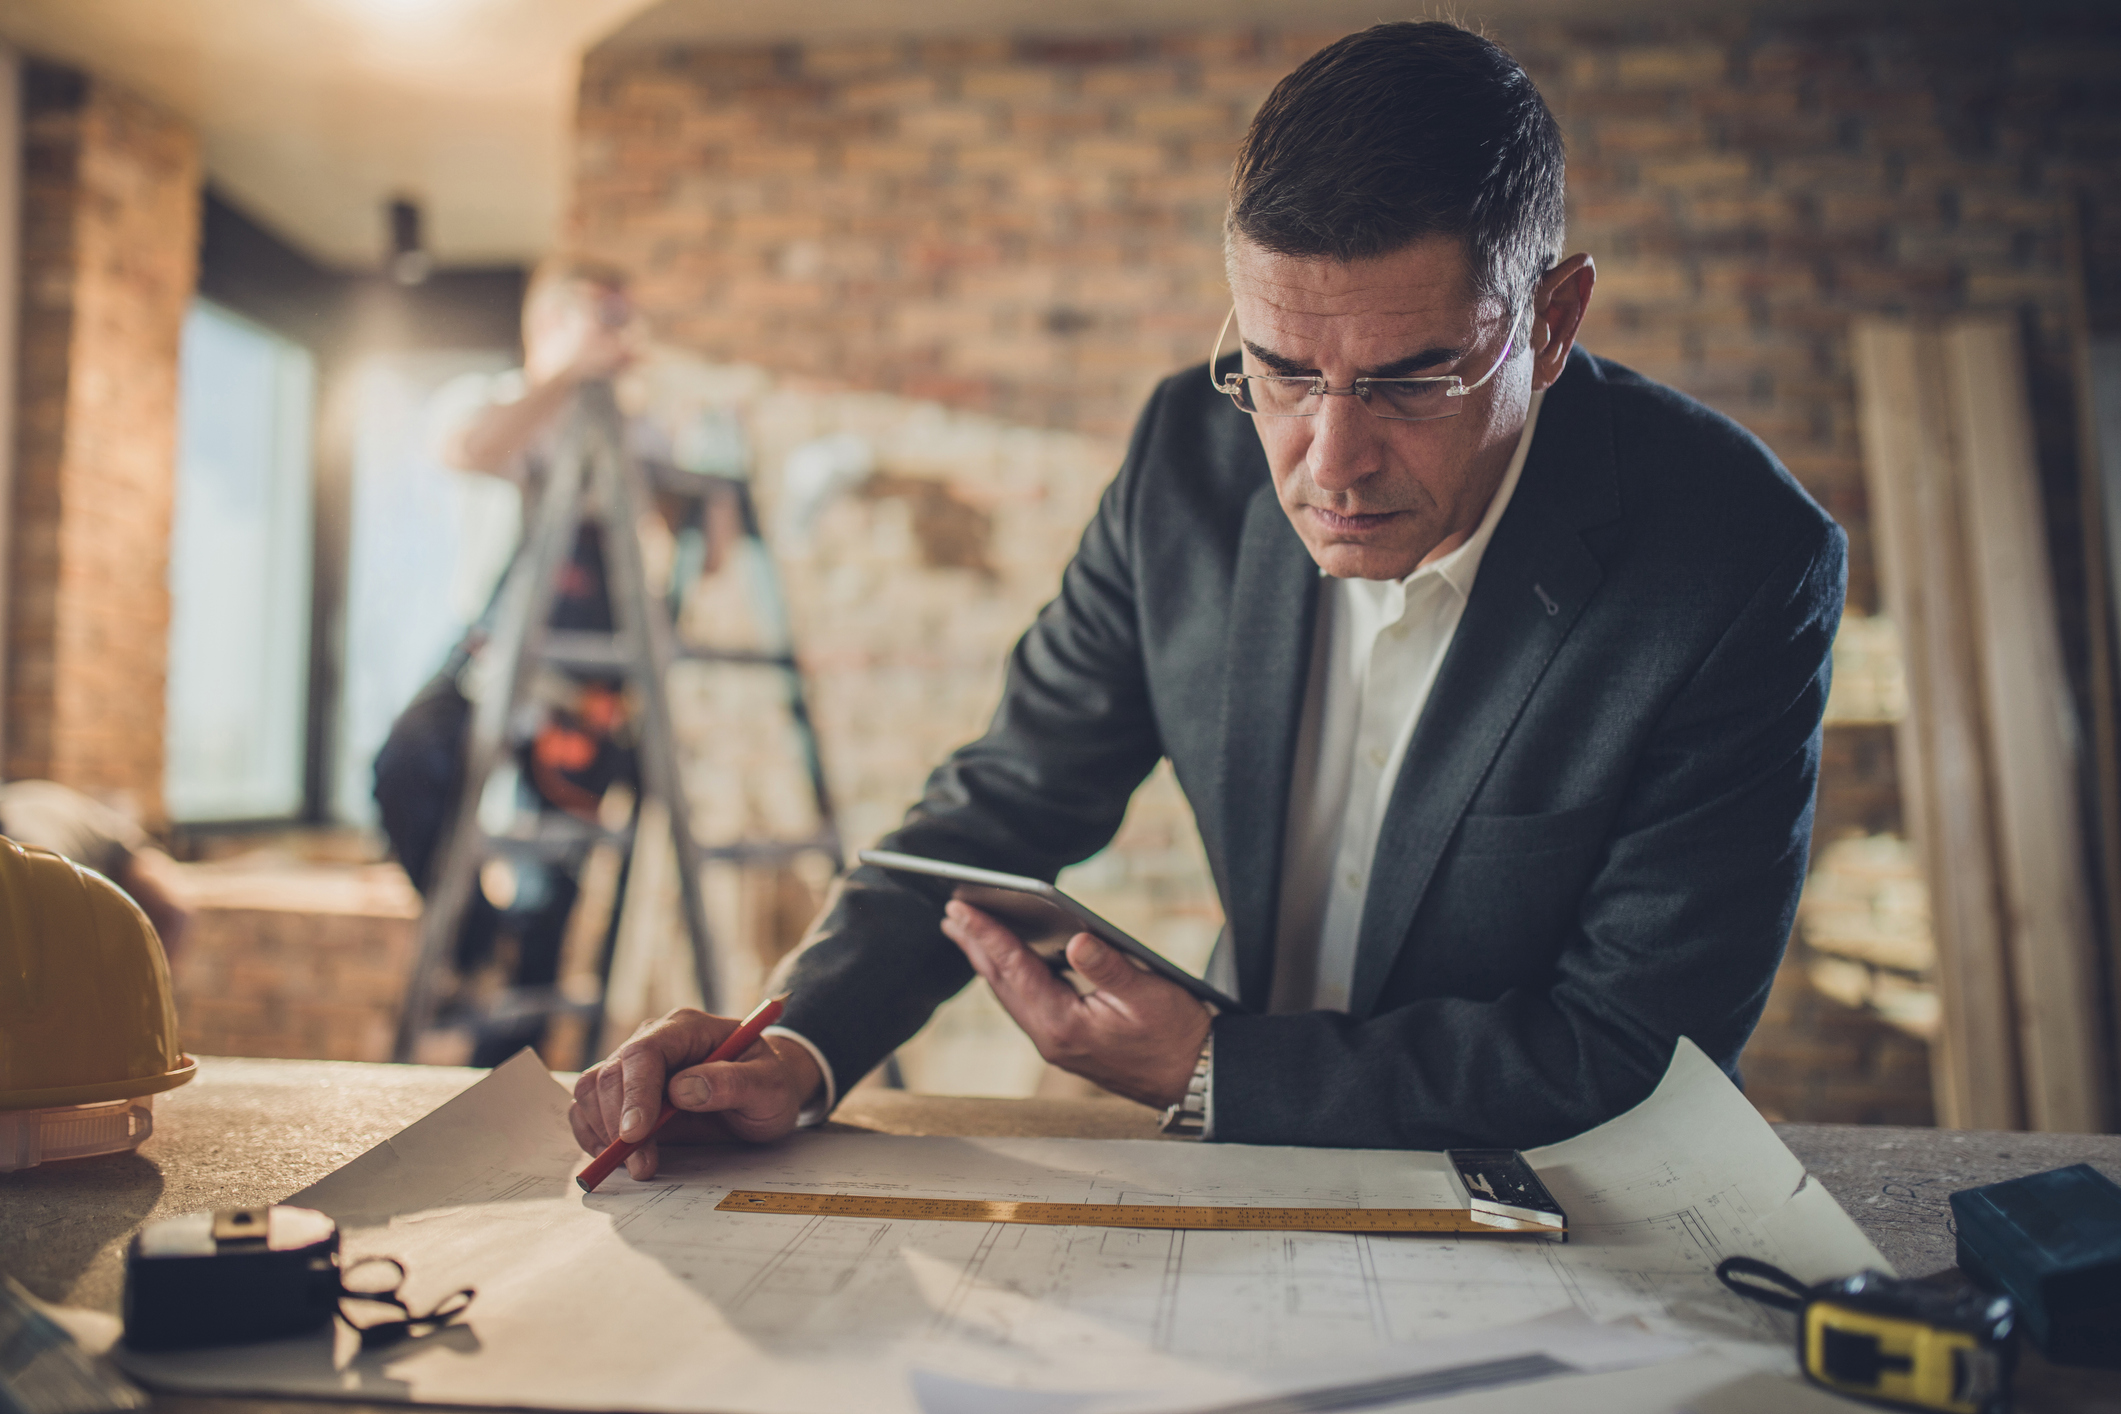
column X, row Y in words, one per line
column 1273, row 606
column 1534, row 582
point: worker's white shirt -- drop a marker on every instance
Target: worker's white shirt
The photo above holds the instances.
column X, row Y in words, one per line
column 1375, row 654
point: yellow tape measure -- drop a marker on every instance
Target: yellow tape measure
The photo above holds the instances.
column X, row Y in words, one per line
column 1145, row 1215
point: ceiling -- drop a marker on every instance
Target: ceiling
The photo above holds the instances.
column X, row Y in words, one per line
column 314, row 113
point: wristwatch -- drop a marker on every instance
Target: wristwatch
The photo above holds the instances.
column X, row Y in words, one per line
column 1194, row 1116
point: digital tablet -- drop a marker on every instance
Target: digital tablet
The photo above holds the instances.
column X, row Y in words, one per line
column 1044, row 917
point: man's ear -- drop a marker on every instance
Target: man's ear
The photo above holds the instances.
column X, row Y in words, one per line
column 1559, row 303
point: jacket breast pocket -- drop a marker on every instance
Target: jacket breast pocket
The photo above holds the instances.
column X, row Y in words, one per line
column 1552, row 832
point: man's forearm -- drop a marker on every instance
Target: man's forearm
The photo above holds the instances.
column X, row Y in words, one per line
column 504, row 431
column 1443, row 1072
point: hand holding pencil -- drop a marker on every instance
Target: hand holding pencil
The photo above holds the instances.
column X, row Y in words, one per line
column 690, row 1077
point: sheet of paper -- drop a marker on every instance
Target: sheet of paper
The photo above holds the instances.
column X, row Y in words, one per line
column 643, row 1297
column 1563, row 1344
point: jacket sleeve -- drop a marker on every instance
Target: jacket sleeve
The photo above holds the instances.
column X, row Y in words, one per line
column 1046, row 786
column 1678, row 934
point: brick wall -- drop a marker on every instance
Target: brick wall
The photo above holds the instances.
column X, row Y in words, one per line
column 1026, row 227
column 1029, row 229
column 295, row 960
column 109, row 246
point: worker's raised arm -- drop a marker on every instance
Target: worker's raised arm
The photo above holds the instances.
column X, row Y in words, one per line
column 494, row 439
column 576, row 332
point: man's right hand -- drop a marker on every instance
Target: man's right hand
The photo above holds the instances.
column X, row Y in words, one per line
column 756, row 1096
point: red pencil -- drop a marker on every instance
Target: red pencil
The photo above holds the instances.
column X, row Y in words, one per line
column 762, row 1016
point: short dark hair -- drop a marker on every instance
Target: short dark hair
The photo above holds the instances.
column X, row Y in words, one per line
column 1400, row 132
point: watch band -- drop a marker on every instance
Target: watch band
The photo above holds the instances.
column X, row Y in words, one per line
column 1194, row 1116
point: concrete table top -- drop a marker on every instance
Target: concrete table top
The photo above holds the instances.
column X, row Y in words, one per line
column 250, row 1132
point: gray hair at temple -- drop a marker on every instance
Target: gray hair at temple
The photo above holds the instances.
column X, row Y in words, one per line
column 1400, row 132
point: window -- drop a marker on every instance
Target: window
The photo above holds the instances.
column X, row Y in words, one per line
column 428, row 544
column 239, row 573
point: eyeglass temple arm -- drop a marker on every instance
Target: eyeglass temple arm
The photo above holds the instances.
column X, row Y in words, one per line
column 1509, row 347
column 1216, row 352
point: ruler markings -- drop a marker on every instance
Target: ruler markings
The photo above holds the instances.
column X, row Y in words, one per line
column 1134, row 1215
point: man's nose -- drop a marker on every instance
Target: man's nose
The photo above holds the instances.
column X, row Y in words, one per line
column 1347, row 443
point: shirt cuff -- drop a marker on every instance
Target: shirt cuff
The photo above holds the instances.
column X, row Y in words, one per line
column 1207, row 1093
column 811, row 1114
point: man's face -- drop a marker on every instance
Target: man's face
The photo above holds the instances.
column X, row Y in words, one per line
column 1374, row 498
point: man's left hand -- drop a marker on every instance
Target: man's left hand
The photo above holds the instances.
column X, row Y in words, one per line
column 1136, row 1035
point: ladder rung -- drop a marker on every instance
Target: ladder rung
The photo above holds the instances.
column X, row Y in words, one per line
column 554, row 835
column 521, row 1003
column 752, row 656
column 773, row 851
column 606, row 652
column 579, row 648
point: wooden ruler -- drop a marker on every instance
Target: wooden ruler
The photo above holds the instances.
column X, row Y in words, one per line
column 1149, row 1215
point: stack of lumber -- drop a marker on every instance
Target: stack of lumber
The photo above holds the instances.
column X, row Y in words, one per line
column 1989, row 745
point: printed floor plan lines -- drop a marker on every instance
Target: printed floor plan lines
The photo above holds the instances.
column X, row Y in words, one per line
column 790, row 1313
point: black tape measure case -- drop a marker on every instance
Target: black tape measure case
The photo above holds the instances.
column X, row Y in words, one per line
column 229, row 1277
column 250, row 1274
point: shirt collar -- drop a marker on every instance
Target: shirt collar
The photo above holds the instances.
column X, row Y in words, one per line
column 1458, row 568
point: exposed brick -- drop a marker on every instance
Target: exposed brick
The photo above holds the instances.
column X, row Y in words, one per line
column 1254, row 81
column 1018, row 83
column 1653, row 135
column 828, row 60
column 1705, row 171
column 1000, row 158
column 1215, row 46
column 957, row 50
column 895, row 91
column 2006, row 287
column 1644, row 281
column 1723, row 211
column 108, row 269
column 1059, row 121
column 886, row 157
column 773, row 159
column 296, row 962
column 1116, row 154
column 1129, row 81
column 1680, row 66
column 1186, row 116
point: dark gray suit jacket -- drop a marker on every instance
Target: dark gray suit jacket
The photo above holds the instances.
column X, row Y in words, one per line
column 1598, row 838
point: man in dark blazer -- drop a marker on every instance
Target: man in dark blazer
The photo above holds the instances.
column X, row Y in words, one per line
column 1493, row 672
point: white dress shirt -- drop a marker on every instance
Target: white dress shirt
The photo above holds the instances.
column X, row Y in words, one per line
column 1375, row 653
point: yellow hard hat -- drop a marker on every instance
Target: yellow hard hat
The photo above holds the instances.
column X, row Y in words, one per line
column 86, row 1015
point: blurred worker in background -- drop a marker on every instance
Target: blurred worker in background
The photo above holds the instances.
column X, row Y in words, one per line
column 578, row 327
column 47, row 815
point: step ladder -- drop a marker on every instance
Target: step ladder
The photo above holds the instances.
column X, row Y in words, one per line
column 592, row 469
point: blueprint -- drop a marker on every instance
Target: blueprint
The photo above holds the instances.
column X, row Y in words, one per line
column 643, row 1297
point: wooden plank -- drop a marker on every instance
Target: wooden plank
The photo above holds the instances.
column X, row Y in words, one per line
column 10, row 332
column 1914, row 498
column 2099, row 374
column 2032, row 730
column 2099, row 586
